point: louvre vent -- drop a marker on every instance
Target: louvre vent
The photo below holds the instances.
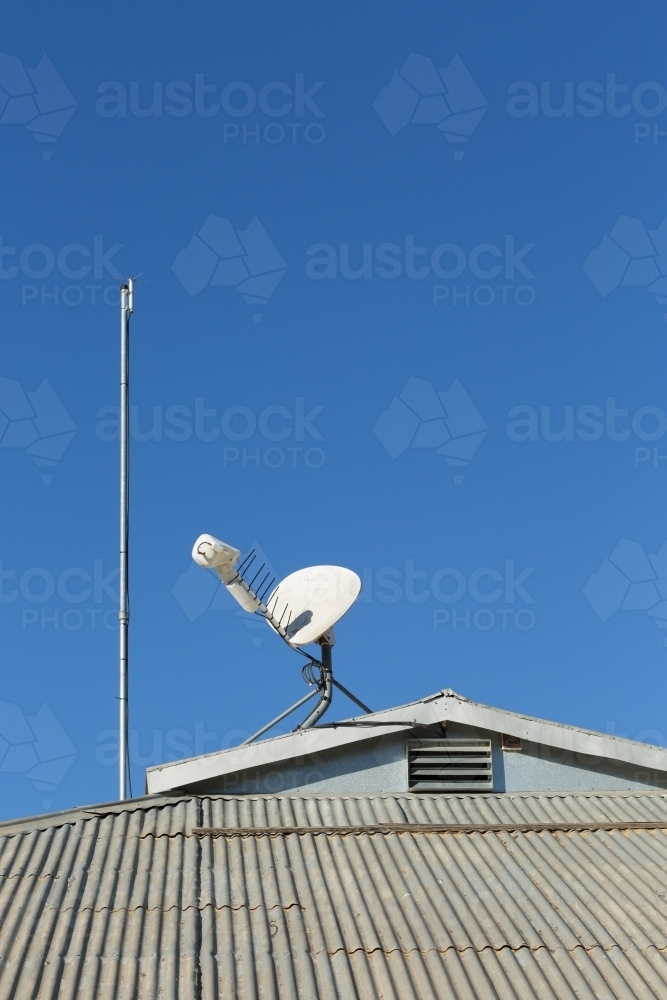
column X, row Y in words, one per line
column 449, row 766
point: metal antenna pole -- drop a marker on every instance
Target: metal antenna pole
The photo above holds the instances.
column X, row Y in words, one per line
column 126, row 309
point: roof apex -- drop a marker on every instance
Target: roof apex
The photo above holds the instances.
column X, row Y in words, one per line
column 443, row 706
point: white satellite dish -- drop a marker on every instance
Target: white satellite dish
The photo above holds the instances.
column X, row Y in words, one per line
column 303, row 608
column 310, row 602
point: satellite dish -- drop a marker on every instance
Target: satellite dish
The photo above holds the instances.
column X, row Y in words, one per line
column 310, row 602
column 303, row 608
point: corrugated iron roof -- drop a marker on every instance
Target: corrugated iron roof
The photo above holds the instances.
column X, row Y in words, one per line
column 125, row 900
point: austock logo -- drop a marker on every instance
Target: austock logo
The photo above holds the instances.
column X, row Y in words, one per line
column 36, row 422
column 630, row 256
column 447, row 422
column 499, row 591
column 420, row 94
column 590, row 423
column 44, row 599
column 36, row 746
column 592, row 99
column 233, row 429
column 76, row 262
column 487, row 262
column 630, row 580
column 36, row 98
column 237, row 100
column 246, row 260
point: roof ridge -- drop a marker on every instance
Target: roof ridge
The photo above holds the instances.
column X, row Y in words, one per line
column 65, row 817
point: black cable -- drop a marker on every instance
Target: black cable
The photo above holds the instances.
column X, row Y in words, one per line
column 411, row 723
column 127, row 757
column 308, row 674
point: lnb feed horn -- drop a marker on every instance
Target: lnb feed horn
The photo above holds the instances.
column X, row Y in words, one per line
column 211, row 553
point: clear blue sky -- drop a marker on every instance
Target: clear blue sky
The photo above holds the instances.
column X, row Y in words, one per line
column 312, row 233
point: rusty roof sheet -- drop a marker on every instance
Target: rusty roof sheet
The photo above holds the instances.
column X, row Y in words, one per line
column 557, row 896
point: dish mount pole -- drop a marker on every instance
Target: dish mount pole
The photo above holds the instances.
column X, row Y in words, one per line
column 323, row 686
column 326, row 643
column 126, row 310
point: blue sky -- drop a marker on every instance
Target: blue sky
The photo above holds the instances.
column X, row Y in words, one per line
column 248, row 162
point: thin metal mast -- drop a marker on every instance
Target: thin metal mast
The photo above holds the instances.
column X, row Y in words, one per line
column 126, row 309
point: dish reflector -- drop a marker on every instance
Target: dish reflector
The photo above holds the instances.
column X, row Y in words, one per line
column 310, row 602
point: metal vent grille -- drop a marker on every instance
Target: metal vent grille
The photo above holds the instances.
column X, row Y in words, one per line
column 449, row 766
